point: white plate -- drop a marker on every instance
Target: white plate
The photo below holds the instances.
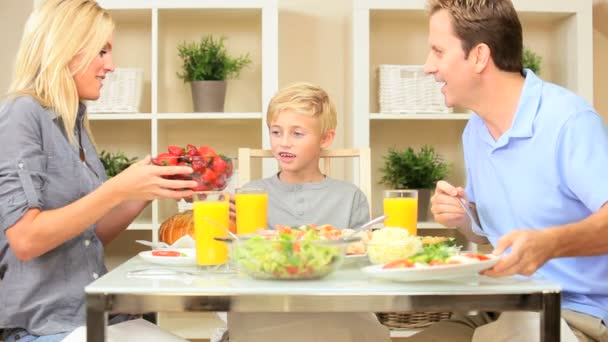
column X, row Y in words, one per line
column 354, row 257
column 430, row 272
column 188, row 259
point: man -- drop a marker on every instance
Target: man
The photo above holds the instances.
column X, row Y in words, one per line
column 536, row 157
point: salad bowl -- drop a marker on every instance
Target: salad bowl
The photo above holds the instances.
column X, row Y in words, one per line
column 294, row 254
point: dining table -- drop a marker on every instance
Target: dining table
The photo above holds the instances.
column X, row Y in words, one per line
column 137, row 286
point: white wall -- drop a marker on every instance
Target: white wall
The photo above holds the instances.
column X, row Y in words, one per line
column 13, row 14
column 600, row 56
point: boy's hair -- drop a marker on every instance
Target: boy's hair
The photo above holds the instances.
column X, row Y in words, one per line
column 55, row 32
column 306, row 99
column 493, row 22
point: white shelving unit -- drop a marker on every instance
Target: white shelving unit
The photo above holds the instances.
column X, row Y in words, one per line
column 396, row 32
column 147, row 35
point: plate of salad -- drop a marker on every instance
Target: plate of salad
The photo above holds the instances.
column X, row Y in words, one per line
column 173, row 256
column 434, row 262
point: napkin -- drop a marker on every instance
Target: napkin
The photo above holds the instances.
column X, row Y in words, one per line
column 185, row 241
column 134, row 330
column 518, row 326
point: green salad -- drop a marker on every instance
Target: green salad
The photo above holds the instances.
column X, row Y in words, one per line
column 292, row 254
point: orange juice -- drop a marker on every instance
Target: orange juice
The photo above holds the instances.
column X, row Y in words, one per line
column 251, row 211
column 402, row 212
column 208, row 250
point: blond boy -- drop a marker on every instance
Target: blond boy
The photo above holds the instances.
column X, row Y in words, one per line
column 302, row 122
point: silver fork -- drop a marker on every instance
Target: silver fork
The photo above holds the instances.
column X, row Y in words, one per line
column 469, row 213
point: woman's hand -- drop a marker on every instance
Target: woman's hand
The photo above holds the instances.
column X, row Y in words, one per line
column 145, row 181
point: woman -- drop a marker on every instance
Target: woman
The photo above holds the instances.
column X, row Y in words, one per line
column 57, row 210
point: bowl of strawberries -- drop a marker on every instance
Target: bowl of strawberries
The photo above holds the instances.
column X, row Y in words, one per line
column 211, row 171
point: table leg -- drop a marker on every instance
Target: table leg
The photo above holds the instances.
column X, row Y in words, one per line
column 97, row 318
column 550, row 316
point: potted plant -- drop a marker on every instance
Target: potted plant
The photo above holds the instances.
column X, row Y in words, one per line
column 114, row 163
column 410, row 169
column 530, row 60
column 207, row 65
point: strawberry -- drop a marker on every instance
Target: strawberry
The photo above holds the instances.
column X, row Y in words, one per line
column 229, row 167
column 191, row 150
column 166, row 159
column 175, row 151
column 198, row 165
column 206, row 151
column 201, row 185
column 219, row 183
column 209, row 176
column 218, row 165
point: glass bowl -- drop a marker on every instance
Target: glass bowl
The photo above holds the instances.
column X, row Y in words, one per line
column 286, row 258
column 211, row 173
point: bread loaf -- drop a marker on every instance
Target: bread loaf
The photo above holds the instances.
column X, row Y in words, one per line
column 176, row 226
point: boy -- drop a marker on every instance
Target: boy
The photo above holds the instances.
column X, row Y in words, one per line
column 302, row 122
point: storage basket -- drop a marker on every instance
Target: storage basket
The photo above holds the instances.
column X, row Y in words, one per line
column 406, row 89
column 121, row 92
column 410, row 320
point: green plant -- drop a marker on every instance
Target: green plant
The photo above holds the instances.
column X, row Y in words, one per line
column 531, row 60
column 208, row 60
column 114, row 163
column 410, row 169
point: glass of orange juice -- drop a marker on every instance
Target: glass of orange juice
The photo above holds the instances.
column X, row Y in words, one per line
column 401, row 207
column 251, row 210
column 211, row 213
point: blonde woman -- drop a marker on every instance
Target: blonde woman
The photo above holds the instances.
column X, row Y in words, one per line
column 57, row 211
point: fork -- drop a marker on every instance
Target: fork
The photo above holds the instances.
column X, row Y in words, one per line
column 467, row 210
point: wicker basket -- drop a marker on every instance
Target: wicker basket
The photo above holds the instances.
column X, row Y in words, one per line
column 411, row 320
column 406, row 89
column 121, row 92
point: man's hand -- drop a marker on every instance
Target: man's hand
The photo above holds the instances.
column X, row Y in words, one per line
column 447, row 210
column 445, row 207
column 530, row 249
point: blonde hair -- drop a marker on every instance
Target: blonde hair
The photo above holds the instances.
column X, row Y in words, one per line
column 55, row 32
column 492, row 22
column 306, row 99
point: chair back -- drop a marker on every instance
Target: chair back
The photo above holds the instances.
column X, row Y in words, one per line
column 364, row 179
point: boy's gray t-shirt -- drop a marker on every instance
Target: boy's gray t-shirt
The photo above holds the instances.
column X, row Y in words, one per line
column 331, row 201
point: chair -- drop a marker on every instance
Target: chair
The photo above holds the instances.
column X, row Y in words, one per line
column 245, row 156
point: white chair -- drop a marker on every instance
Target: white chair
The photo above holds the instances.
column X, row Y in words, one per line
column 364, row 181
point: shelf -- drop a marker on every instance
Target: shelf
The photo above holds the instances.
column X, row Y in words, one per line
column 404, row 333
column 141, row 226
column 431, row 225
column 420, row 116
column 144, row 4
column 208, row 116
column 126, row 116
column 544, row 7
column 396, row 32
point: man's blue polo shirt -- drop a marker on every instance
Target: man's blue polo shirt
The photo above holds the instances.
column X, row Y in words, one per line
column 550, row 168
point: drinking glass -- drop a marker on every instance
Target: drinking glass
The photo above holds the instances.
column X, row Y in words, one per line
column 401, row 206
column 251, row 210
column 211, row 217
